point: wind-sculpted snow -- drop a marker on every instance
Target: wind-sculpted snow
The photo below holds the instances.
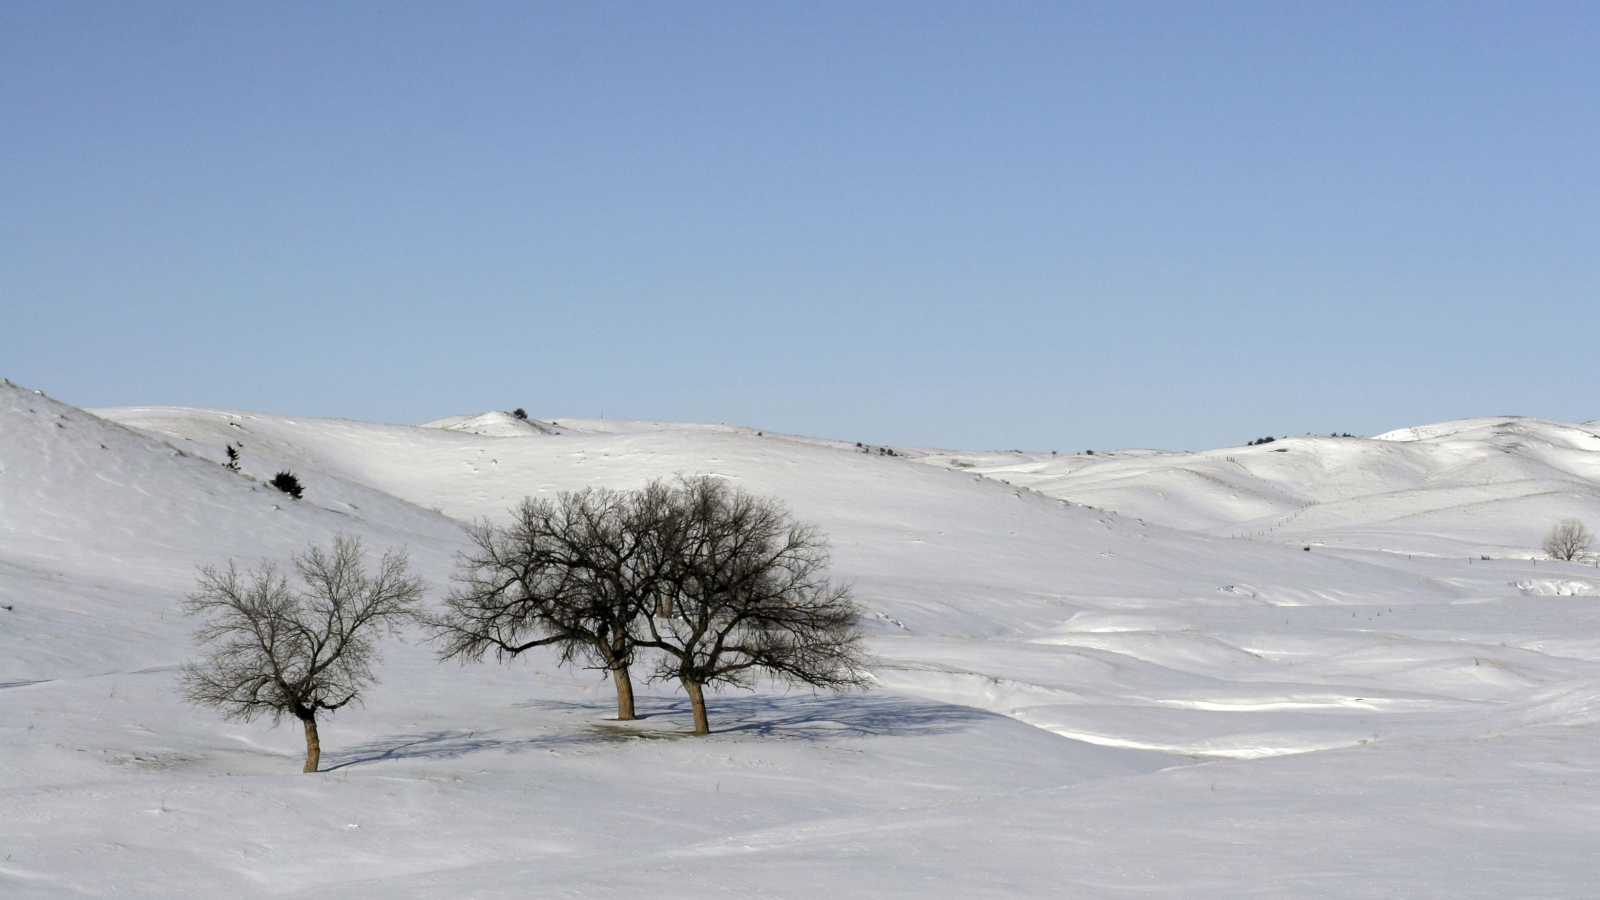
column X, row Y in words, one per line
column 1467, row 488
column 1072, row 701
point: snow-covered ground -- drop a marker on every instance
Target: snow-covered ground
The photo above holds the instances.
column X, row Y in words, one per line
column 1110, row 676
column 1467, row 488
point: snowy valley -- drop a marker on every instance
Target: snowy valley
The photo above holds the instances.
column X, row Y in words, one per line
column 1320, row 667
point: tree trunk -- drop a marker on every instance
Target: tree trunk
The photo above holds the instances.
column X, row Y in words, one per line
column 313, row 744
column 697, row 700
column 624, row 682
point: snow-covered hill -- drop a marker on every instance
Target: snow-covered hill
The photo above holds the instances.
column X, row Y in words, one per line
column 1074, row 701
column 495, row 424
column 101, row 528
column 1468, row 488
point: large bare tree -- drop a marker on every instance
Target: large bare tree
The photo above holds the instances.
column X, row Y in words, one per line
column 571, row 574
column 1568, row 539
column 276, row 650
column 746, row 595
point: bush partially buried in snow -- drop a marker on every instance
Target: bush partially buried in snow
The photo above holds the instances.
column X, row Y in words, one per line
column 288, row 483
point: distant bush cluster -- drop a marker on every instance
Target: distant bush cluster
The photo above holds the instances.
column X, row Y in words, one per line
column 1270, row 439
column 285, row 481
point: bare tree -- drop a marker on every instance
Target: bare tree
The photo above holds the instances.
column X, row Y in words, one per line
column 570, row 574
column 275, row 650
column 746, row 595
column 1568, row 539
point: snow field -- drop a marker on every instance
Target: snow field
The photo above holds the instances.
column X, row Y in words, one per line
column 1074, row 702
column 1477, row 486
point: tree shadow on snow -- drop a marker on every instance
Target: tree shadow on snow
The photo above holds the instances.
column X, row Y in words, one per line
column 443, row 745
column 806, row 718
column 822, row 717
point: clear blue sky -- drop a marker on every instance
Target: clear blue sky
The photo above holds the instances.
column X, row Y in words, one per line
column 1047, row 226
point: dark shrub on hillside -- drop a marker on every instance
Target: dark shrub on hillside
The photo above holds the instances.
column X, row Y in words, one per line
column 288, row 483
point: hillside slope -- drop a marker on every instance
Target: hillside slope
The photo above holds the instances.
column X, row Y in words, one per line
column 1474, row 487
column 1084, row 622
column 101, row 528
column 941, row 552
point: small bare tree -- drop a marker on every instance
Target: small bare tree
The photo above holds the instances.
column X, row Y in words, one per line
column 276, row 651
column 1568, row 539
column 746, row 595
column 571, row 574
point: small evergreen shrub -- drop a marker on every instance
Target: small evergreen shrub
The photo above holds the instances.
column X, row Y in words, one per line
column 288, row 483
column 520, row 413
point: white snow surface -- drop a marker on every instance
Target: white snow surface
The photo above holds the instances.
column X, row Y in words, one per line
column 494, row 424
column 1159, row 694
column 1468, row 488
